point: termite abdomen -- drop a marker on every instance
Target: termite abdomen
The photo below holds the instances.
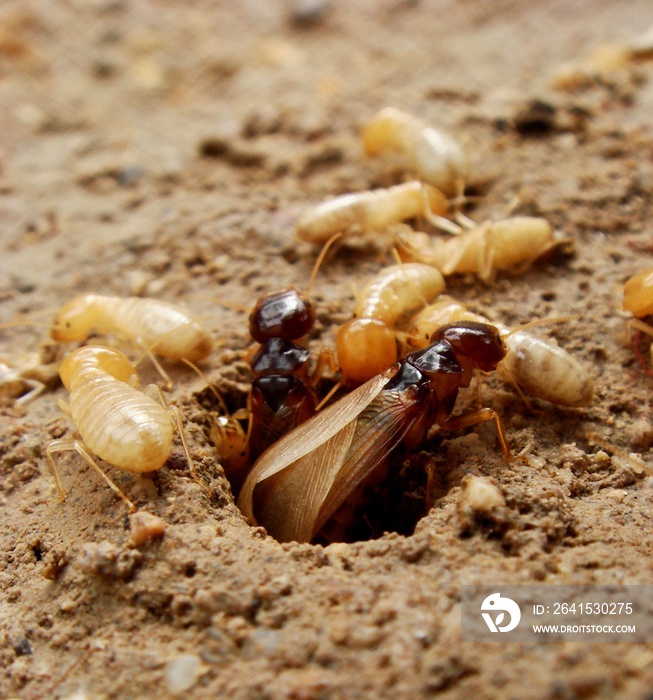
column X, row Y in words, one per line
column 366, row 347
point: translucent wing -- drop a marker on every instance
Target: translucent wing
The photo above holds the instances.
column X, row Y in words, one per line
column 295, row 490
column 322, row 441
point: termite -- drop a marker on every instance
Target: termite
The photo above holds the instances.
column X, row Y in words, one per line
column 367, row 344
column 300, row 482
column 531, row 364
column 23, row 377
column 373, row 210
column 151, row 325
column 118, row 423
column 638, row 300
column 430, row 154
column 603, row 62
column 283, row 393
column 511, row 244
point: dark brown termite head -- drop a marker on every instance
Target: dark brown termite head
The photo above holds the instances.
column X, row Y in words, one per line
column 285, row 314
column 476, row 344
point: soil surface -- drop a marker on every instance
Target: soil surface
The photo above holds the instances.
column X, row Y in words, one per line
column 164, row 150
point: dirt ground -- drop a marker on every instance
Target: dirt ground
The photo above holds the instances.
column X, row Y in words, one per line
column 164, row 149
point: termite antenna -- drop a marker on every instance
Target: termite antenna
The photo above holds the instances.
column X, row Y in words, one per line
column 541, row 322
column 26, row 319
column 332, row 391
column 641, row 328
column 459, row 200
column 209, row 384
column 18, row 324
column 320, row 259
column 149, row 353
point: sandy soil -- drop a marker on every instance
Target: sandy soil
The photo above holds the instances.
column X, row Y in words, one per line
column 162, row 149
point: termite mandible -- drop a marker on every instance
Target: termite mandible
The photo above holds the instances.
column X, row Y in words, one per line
column 298, row 484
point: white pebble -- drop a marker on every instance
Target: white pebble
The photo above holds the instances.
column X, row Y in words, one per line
column 480, row 499
column 182, row 673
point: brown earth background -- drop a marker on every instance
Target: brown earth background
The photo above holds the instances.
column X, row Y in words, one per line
column 164, row 149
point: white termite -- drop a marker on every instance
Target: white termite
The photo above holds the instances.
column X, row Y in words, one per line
column 372, row 210
column 117, row 422
column 430, row 154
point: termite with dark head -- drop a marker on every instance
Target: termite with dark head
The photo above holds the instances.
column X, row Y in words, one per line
column 282, row 394
column 304, row 479
column 532, row 365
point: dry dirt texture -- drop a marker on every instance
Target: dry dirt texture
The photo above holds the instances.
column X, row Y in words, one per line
column 164, row 149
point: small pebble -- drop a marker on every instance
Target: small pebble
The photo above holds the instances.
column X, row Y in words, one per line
column 144, row 526
column 182, row 673
column 308, row 13
column 481, row 500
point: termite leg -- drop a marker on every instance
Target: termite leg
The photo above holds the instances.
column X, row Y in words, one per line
column 640, row 327
column 65, row 408
column 465, row 221
column 438, row 221
column 486, row 269
column 639, row 465
column 507, row 378
column 36, row 388
column 459, row 199
column 325, row 360
column 80, row 448
column 154, row 392
column 147, row 352
column 480, row 416
column 58, row 446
